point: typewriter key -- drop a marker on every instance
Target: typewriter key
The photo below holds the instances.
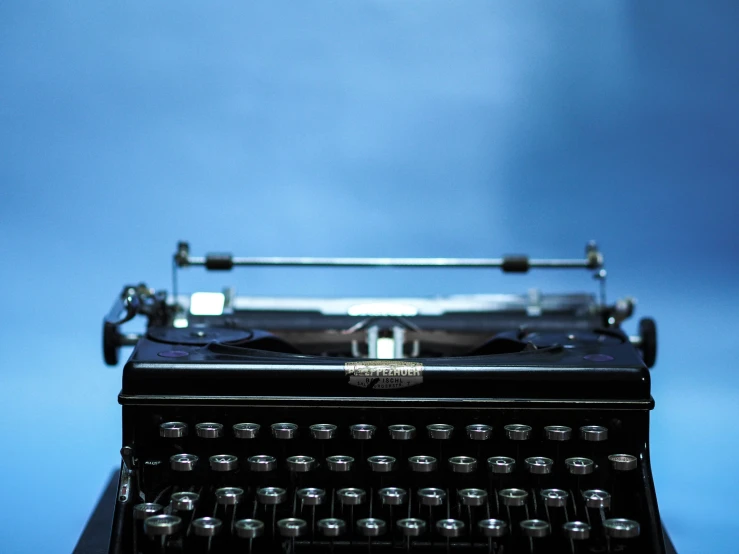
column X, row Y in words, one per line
column 249, row 528
column 501, row 464
column 206, row 526
column 555, row 498
column 184, row 501
column 593, row 433
column 597, row 499
column 311, row 496
column 351, row 496
column 362, row 431
column 558, row 432
column 392, row 496
column 440, row 431
column 262, row 463
column 620, row 528
column 411, row 527
column 209, row 430
column 462, row 464
column 162, row 525
column 246, row 431
column 229, row 496
column 492, row 527
column 339, row 463
column 422, row 464
column 173, row 430
column 536, row 528
column 223, row 462
column 580, row 466
column 284, row 430
column 381, row 464
column 271, row 496
column 371, row 527
column 518, row 432
column 331, row 527
column 431, row 496
column 478, row 432
column 183, row 462
column 539, row 465
column 402, row 432
column 513, row 497
column 473, row 497
column 576, row 530
column 292, row 527
column 450, row 527
column 323, row 431
column 622, row 462
column 147, row 509
column 301, row 464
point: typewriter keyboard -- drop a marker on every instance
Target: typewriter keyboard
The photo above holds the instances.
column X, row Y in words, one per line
column 423, row 480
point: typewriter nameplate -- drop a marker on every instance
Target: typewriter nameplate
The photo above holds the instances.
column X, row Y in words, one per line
column 384, row 374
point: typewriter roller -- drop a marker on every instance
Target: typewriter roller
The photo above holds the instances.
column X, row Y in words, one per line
column 491, row 423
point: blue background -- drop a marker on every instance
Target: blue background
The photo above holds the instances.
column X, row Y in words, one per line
column 392, row 128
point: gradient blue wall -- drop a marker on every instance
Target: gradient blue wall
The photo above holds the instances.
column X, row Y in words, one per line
column 362, row 128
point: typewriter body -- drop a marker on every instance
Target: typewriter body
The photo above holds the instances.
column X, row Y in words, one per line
column 483, row 423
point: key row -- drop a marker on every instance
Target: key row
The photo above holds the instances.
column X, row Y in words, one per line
column 364, row 431
column 537, row 465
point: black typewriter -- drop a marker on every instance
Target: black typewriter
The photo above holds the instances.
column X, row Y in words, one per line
column 484, row 423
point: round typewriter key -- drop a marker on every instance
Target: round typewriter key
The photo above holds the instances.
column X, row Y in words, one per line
column 351, row 496
column 249, row 528
column 450, row 527
column 184, row 501
column 246, row 431
column 492, row 527
column 229, row 496
column 147, row 509
column 339, row 463
column 183, row 462
column 422, row 464
column 440, row 431
column 223, row 462
column 501, row 464
column 431, row 496
column 518, row 432
column 402, row 432
column 209, row 430
column 311, row 496
column 371, row 527
column 513, row 497
column 597, row 499
column 206, row 526
column 284, row 430
column 362, row 431
column 331, row 527
column 162, row 525
column 301, row 464
column 576, row 530
column 462, row 464
column 593, row 433
column 262, row 463
column 323, row 431
column 411, row 527
column 271, row 496
column 292, row 527
column 535, row 528
column 479, row 432
column 381, row 464
column 580, row 466
column 473, row 497
column 173, row 430
column 622, row 462
column 539, row 465
column 558, row 432
column 554, row 498
column 392, row 496
column 620, row 528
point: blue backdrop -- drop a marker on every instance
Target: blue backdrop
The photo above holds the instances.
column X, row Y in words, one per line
column 362, row 128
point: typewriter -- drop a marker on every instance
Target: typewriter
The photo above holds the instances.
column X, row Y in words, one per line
column 482, row 423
